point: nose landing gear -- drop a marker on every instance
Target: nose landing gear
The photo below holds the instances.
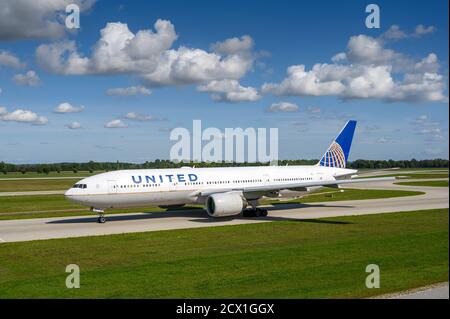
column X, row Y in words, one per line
column 101, row 215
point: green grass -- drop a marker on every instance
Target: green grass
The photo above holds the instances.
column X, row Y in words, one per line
column 79, row 174
column 324, row 258
column 35, row 206
column 425, row 183
column 35, row 185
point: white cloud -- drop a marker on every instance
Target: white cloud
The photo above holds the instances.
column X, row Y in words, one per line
column 116, row 124
column 233, row 45
column 192, row 66
column 423, row 30
column 364, row 49
column 1, row 90
column 117, row 51
column 302, row 82
column 366, row 70
column 140, row 117
column 428, row 64
column 394, row 33
column 66, row 107
column 229, row 91
column 129, row 91
column 10, row 60
column 24, row 19
column 149, row 55
column 283, row 107
column 30, row 78
column 22, row 116
column 430, row 129
column 74, row 125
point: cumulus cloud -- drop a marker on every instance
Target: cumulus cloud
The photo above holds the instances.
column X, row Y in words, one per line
column 116, row 124
column 74, row 125
column 24, row 19
column 22, row 116
column 141, row 117
column 149, row 55
column 283, row 107
column 129, row 91
column 30, row 78
column 229, row 91
column 117, row 51
column 422, row 30
column 233, row 45
column 10, row 60
column 66, row 107
column 366, row 70
column 394, row 33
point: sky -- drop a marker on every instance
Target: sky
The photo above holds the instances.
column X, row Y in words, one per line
column 114, row 88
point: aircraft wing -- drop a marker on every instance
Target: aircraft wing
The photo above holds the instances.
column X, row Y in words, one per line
column 268, row 188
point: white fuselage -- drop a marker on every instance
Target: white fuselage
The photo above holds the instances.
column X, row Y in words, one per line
column 175, row 186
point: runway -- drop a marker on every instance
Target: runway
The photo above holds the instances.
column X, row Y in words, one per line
column 64, row 227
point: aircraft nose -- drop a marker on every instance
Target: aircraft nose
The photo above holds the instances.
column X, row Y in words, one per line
column 68, row 193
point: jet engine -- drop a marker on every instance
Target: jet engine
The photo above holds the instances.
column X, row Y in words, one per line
column 225, row 204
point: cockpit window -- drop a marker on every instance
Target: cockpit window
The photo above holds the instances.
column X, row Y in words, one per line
column 79, row 186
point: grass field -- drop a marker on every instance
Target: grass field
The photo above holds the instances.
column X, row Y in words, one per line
column 35, row 185
column 79, row 174
column 56, row 205
column 324, row 258
column 425, row 183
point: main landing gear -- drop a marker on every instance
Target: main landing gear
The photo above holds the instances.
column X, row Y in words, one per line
column 254, row 211
column 101, row 215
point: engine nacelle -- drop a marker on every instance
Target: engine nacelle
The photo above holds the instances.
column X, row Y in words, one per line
column 225, row 204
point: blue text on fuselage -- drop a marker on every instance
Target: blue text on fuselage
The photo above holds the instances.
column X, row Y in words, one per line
column 149, row 179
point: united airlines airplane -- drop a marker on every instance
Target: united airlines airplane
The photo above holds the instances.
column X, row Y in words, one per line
column 226, row 191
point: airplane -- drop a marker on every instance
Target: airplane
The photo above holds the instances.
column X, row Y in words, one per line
column 224, row 191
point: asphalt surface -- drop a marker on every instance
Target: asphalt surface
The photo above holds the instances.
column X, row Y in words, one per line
column 63, row 227
column 437, row 291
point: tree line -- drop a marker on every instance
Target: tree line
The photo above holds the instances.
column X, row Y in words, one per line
column 92, row 166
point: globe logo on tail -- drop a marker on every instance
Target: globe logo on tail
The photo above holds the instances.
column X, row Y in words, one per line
column 334, row 157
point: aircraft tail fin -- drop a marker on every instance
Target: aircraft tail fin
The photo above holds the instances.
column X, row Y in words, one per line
column 337, row 153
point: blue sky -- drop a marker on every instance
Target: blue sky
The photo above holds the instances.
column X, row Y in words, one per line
column 393, row 80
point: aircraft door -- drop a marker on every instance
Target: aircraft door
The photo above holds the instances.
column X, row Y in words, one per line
column 112, row 187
